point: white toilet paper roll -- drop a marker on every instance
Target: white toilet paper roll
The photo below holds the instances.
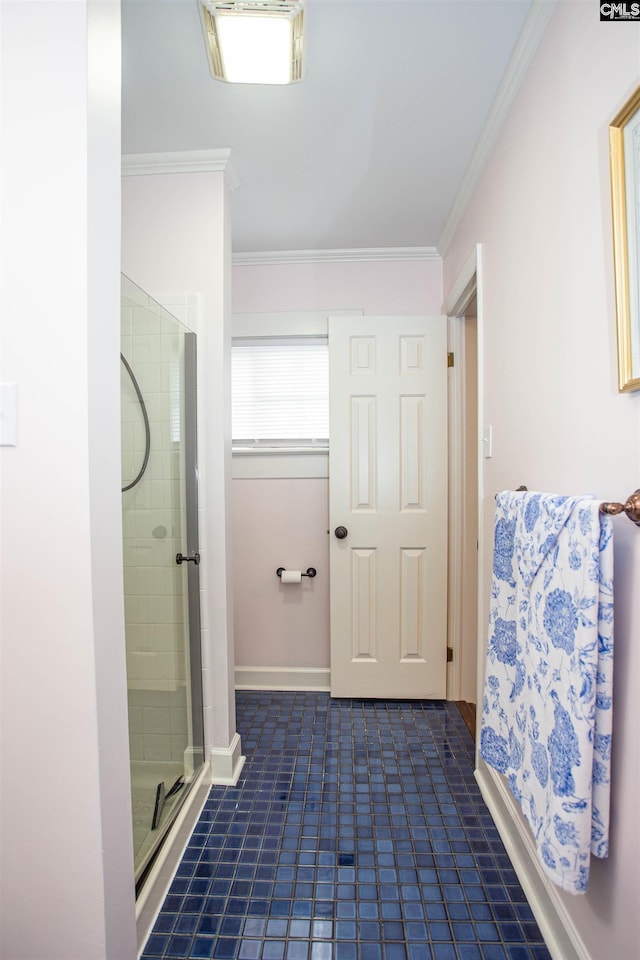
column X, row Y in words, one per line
column 291, row 576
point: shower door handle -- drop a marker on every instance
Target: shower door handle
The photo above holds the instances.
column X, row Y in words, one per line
column 194, row 559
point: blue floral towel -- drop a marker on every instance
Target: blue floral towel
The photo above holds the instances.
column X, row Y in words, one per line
column 546, row 722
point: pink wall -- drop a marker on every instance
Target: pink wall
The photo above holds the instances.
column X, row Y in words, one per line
column 376, row 287
column 542, row 213
column 284, row 522
column 281, row 523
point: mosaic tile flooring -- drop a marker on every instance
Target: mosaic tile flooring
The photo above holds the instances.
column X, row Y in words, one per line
column 357, row 832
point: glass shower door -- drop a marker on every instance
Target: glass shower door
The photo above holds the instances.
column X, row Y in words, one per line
column 159, row 517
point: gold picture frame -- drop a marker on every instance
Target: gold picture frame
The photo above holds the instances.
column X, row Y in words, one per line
column 624, row 148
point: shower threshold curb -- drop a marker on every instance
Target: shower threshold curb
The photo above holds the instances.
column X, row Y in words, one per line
column 155, row 889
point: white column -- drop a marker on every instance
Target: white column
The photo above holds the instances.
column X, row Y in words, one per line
column 177, row 241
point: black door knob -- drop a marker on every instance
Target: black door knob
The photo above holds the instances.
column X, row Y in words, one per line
column 341, row 532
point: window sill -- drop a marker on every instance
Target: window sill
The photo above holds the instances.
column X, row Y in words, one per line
column 266, row 451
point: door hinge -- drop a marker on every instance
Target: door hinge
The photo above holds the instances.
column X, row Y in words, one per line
column 450, row 360
column 449, row 654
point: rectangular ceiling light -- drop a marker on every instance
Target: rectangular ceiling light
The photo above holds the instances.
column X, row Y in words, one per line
column 254, row 41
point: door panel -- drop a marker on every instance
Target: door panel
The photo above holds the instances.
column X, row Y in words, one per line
column 388, row 486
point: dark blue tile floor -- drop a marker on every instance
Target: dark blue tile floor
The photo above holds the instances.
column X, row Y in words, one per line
column 357, row 832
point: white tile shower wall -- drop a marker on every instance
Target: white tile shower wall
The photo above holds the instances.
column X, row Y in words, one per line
column 158, row 727
column 152, row 535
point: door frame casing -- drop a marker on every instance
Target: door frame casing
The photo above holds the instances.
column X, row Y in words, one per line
column 467, row 285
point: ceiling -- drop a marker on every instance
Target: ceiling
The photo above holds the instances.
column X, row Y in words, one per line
column 368, row 150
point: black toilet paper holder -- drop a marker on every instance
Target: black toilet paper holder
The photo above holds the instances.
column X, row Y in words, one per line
column 311, row 572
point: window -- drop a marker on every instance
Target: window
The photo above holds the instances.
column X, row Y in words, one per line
column 280, row 394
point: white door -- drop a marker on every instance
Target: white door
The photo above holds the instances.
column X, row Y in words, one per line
column 388, row 490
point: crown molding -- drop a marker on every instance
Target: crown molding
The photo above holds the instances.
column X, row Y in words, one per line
column 355, row 255
column 181, row 161
column 524, row 50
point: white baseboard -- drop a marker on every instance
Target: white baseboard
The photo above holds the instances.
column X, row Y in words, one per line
column 561, row 936
column 227, row 763
column 283, row 678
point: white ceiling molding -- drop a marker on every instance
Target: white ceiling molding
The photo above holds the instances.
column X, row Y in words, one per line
column 185, row 161
column 528, row 41
column 363, row 254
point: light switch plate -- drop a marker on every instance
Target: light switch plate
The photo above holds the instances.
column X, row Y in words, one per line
column 487, row 443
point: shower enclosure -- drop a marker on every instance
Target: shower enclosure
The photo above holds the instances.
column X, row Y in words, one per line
column 161, row 584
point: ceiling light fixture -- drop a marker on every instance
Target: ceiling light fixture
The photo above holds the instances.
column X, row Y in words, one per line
column 254, row 41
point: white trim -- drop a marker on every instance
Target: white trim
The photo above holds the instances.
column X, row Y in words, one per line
column 227, row 763
column 470, row 281
column 166, row 863
column 357, row 254
column 467, row 284
column 524, row 50
column 283, row 678
column 307, row 465
column 481, row 627
column 181, row 161
column 561, row 935
column 455, row 418
column 464, row 287
column 280, row 448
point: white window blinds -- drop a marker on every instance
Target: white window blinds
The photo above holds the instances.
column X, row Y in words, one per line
column 280, row 392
